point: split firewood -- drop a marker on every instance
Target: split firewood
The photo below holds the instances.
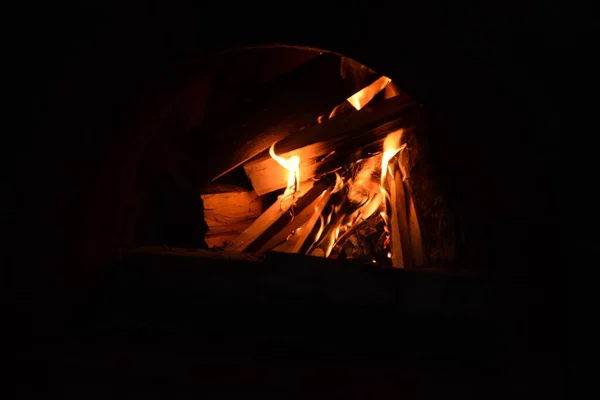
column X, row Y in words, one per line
column 294, row 243
column 335, row 142
column 266, row 219
column 400, row 237
column 228, row 211
column 288, row 223
column 277, row 109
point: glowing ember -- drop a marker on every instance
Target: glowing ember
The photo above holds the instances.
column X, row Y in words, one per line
column 365, row 95
column 292, row 164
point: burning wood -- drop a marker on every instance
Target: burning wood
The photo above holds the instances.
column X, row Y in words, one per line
column 271, row 225
column 325, row 147
column 328, row 220
column 294, row 243
column 351, row 206
column 369, row 213
column 396, row 218
column 291, row 225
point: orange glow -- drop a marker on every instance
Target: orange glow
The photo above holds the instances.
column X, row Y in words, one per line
column 365, row 95
column 292, row 164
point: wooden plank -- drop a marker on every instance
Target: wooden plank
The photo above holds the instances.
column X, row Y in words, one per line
column 281, row 107
column 335, row 142
column 265, row 220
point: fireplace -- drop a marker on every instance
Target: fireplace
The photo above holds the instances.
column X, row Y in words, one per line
column 299, row 151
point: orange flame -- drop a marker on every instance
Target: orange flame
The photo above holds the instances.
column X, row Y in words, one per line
column 292, row 164
column 391, row 147
column 365, row 95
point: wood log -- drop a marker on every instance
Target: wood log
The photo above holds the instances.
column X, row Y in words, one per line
column 281, row 107
column 400, row 238
column 265, row 220
column 299, row 236
column 228, row 211
column 335, row 142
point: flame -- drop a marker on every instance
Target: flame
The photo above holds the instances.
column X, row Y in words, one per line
column 292, row 164
column 391, row 147
column 365, row 95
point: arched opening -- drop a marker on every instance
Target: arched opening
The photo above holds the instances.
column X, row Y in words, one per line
column 300, row 151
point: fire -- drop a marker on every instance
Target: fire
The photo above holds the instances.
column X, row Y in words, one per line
column 359, row 192
column 365, row 95
column 359, row 201
column 391, row 147
column 292, row 164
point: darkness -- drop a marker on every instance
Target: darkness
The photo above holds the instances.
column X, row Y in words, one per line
column 510, row 82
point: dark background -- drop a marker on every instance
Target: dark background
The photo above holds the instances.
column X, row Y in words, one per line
column 80, row 72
